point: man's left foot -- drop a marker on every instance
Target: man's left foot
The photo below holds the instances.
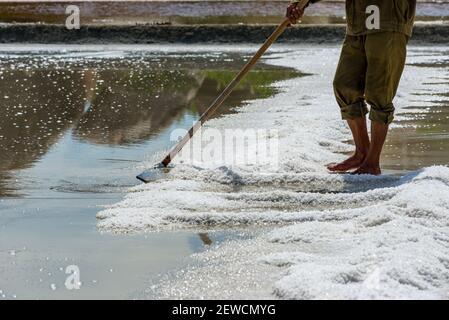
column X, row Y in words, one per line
column 368, row 169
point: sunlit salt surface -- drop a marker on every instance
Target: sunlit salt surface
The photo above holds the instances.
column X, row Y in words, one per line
column 342, row 236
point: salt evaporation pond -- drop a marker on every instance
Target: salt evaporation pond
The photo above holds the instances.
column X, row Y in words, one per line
column 254, row 232
column 77, row 124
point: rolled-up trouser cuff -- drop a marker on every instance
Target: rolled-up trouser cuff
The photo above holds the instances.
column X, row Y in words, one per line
column 386, row 115
column 354, row 111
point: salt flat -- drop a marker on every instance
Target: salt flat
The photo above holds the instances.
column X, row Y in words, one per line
column 320, row 235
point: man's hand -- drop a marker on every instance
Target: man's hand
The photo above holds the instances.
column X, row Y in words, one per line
column 294, row 13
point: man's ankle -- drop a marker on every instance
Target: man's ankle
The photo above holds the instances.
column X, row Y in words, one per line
column 370, row 163
column 361, row 153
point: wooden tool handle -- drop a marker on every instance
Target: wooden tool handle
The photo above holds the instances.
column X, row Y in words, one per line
column 227, row 91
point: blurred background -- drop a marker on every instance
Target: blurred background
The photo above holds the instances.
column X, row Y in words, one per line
column 176, row 12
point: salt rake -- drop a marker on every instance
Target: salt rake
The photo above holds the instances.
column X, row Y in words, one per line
column 162, row 168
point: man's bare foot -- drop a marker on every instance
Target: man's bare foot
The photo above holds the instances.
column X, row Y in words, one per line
column 352, row 162
column 368, row 169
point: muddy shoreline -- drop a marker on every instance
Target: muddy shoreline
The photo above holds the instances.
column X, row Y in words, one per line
column 148, row 34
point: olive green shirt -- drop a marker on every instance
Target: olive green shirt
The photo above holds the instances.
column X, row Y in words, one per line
column 395, row 15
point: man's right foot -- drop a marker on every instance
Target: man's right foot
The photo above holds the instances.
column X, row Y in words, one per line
column 352, row 162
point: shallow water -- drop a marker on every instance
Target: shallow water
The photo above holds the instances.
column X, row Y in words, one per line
column 77, row 125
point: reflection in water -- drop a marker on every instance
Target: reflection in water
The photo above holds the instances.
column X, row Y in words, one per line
column 425, row 141
column 37, row 107
column 411, row 148
column 130, row 105
column 108, row 101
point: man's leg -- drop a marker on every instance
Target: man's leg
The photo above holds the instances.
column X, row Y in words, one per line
column 362, row 143
column 371, row 164
column 386, row 53
column 349, row 87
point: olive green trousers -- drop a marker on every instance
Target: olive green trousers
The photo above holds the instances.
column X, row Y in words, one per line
column 369, row 71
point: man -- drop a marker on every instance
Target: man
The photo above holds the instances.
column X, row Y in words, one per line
column 369, row 71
